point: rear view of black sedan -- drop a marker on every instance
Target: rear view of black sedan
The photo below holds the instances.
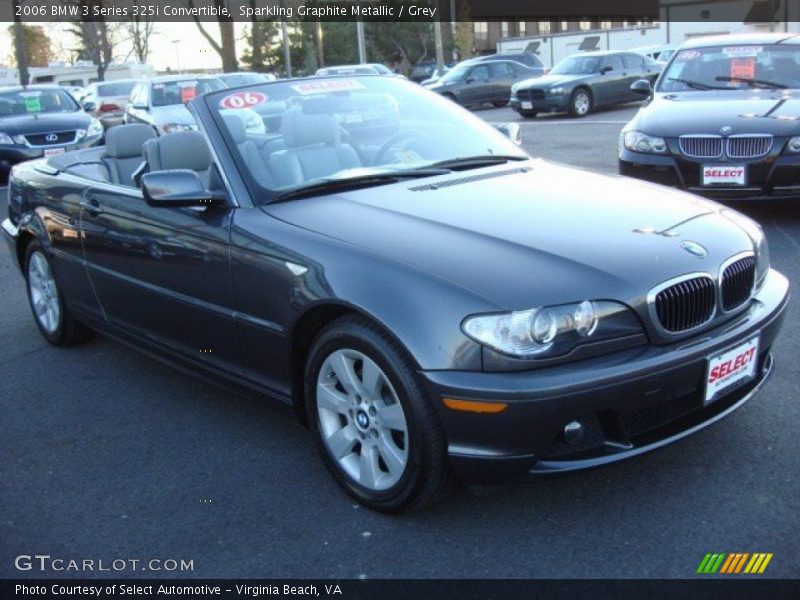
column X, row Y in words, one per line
column 41, row 121
column 723, row 120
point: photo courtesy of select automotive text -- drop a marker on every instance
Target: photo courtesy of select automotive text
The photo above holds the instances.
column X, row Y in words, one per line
column 400, row 299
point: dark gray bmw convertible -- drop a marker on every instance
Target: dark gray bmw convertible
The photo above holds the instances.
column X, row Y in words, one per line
column 435, row 304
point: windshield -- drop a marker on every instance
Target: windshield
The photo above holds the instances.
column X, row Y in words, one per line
column 33, row 101
column 166, row 93
column 733, row 68
column 577, row 65
column 457, row 72
column 347, row 128
column 236, row 79
column 122, row 88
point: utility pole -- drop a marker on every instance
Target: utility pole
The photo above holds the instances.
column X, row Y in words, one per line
column 362, row 44
column 287, row 55
column 437, row 36
column 320, row 51
column 453, row 26
column 19, row 47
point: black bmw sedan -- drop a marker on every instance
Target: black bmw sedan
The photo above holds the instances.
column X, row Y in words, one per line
column 40, row 120
column 723, row 120
column 432, row 302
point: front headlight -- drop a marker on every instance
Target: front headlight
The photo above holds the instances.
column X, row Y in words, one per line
column 551, row 330
column 558, row 91
column 641, row 142
column 5, row 139
column 760, row 245
column 173, row 127
column 793, row 146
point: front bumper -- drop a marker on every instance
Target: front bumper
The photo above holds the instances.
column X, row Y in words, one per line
column 12, row 155
column 540, row 103
column 767, row 178
column 628, row 403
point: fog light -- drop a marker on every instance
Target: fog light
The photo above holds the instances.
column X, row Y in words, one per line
column 573, row 432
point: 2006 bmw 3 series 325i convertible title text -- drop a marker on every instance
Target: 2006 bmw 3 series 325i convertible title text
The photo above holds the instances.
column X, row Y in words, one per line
column 434, row 303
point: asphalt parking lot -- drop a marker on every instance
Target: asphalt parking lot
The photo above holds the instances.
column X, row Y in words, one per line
column 107, row 454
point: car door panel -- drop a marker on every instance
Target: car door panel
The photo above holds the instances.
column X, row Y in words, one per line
column 162, row 273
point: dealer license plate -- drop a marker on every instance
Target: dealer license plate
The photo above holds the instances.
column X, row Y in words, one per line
column 731, row 369
column 724, row 175
column 54, row 151
column 527, row 105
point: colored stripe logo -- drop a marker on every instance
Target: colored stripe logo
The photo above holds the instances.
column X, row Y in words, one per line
column 734, row 563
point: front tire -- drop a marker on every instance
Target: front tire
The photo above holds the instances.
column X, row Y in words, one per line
column 373, row 424
column 51, row 313
column 580, row 103
column 528, row 114
column 499, row 103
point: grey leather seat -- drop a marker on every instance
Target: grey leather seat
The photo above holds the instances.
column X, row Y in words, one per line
column 181, row 150
column 123, row 153
column 256, row 164
column 313, row 149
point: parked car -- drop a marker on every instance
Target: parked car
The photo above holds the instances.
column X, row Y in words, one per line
column 582, row 82
column 529, row 59
column 583, row 320
column 107, row 101
column 436, row 74
column 661, row 53
column 161, row 101
column 473, row 82
column 722, row 120
column 244, row 78
column 42, row 120
column 363, row 69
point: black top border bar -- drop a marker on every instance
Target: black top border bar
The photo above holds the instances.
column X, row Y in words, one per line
column 389, row 10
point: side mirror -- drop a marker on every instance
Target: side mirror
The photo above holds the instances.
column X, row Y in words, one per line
column 179, row 187
column 512, row 131
column 469, row 80
column 140, row 106
column 642, row 86
column 606, row 69
column 90, row 106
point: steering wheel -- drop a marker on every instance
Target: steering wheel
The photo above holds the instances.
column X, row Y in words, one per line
column 354, row 143
column 393, row 141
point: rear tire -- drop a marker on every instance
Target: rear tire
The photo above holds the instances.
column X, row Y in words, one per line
column 373, row 424
column 528, row 114
column 51, row 313
column 499, row 103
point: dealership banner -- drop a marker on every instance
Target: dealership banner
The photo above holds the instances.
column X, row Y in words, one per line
column 391, row 589
column 390, row 10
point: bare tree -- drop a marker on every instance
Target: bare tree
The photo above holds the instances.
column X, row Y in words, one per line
column 139, row 29
column 256, row 41
column 226, row 46
column 97, row 39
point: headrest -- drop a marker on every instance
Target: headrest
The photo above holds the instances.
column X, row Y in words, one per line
column 125, row 141
column 235, row 125
column 180, row 150
column 300, row 129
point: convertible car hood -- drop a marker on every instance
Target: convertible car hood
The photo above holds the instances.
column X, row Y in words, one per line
column 44, row 122
column 531, row 233
column 747, row 111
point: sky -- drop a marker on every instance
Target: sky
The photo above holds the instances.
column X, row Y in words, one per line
column 193, row 51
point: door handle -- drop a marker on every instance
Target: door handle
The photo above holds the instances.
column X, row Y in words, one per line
column 91, row 206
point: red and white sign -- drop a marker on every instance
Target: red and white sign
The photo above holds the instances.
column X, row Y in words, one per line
column 243, row 100
column 736, row 365
column 724, row 175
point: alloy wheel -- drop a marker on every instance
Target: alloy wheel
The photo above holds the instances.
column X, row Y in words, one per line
column 361, row 420
column 582, row 103
column 44, row 293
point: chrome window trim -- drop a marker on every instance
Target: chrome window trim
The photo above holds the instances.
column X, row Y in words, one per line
column 651, row 302
column 725, row 264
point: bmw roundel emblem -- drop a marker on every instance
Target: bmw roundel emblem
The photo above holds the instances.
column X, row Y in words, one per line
column 51, row 137
column 726, row 130
column 694, row 249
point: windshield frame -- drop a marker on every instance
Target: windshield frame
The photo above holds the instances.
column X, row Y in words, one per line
column 719, row 85
column 59, row 89
column 261, row 195
column 579, row 57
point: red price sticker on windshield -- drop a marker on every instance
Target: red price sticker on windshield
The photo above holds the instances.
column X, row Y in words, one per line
column 243, row 100
column 743, row 68
column 188, row 93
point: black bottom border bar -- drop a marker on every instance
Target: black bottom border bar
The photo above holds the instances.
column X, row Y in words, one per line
column 731, row 588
